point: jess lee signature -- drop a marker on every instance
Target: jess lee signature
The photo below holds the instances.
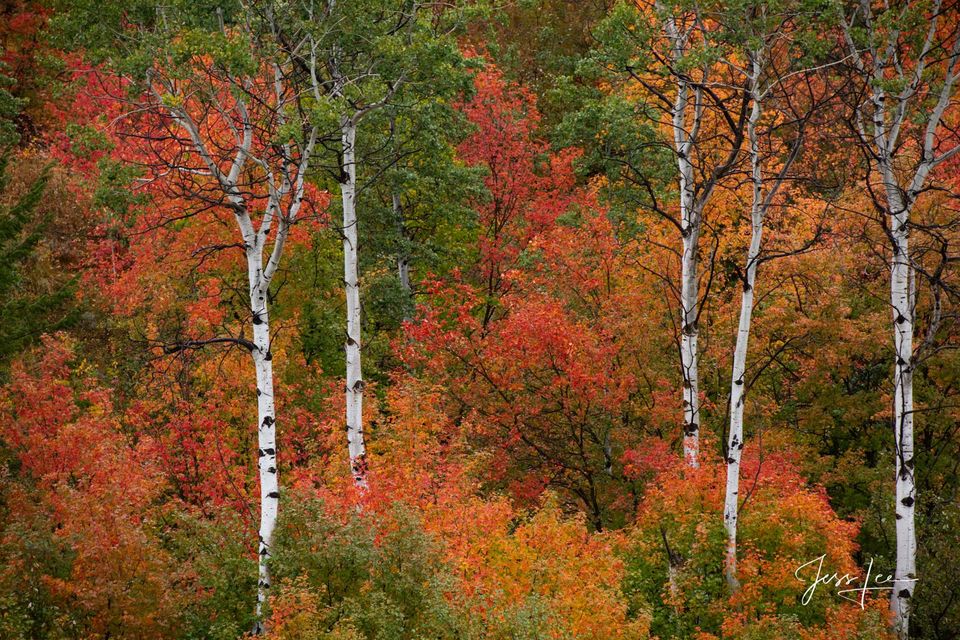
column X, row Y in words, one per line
column 817, row 577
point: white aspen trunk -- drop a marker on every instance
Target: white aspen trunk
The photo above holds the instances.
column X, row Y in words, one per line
column 291, row 184
column 887, row 126
column 689, row 283
column 901, row 300
column 266, row 422
column 689, row 331
column 737, row 381
column 354, row 388
column 684, row 138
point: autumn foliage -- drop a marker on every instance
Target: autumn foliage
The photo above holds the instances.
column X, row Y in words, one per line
column 522, row 414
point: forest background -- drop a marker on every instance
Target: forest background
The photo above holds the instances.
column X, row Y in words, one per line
column 400, row 319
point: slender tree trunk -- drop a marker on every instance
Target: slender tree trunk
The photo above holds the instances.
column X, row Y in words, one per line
column 290, row 185
column 403, row 261
column 403, row 272
column 901, row 300
column 921, row 78
column 690, row 218
column 354, row 390
column 674, row 564
column 737, row 380
column 689, row 330
column 266, row 424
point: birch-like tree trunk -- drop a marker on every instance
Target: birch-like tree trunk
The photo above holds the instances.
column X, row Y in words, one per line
column 689, row 330
column 354, row 390
column 698, row 172
column 259, row 278
column 763, row 190
column 901, row 302
column 888, row 116
column 266, row 420
column 356, row 449
column 340, row 80
column 283, row 205
column 738, row 381
column 691, row 209
column 284, row 181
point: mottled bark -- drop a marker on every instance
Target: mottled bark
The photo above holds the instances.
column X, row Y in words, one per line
column 689, row 332
column 685, row 130
column 901, row 302
column 880, row 121
column 285, row 181
column 349, row 122
column 354, row 389
column 735, row 437
column 266, row 423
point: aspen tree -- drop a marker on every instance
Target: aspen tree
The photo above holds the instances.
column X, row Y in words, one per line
column 215, row 105
column 905, row 59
